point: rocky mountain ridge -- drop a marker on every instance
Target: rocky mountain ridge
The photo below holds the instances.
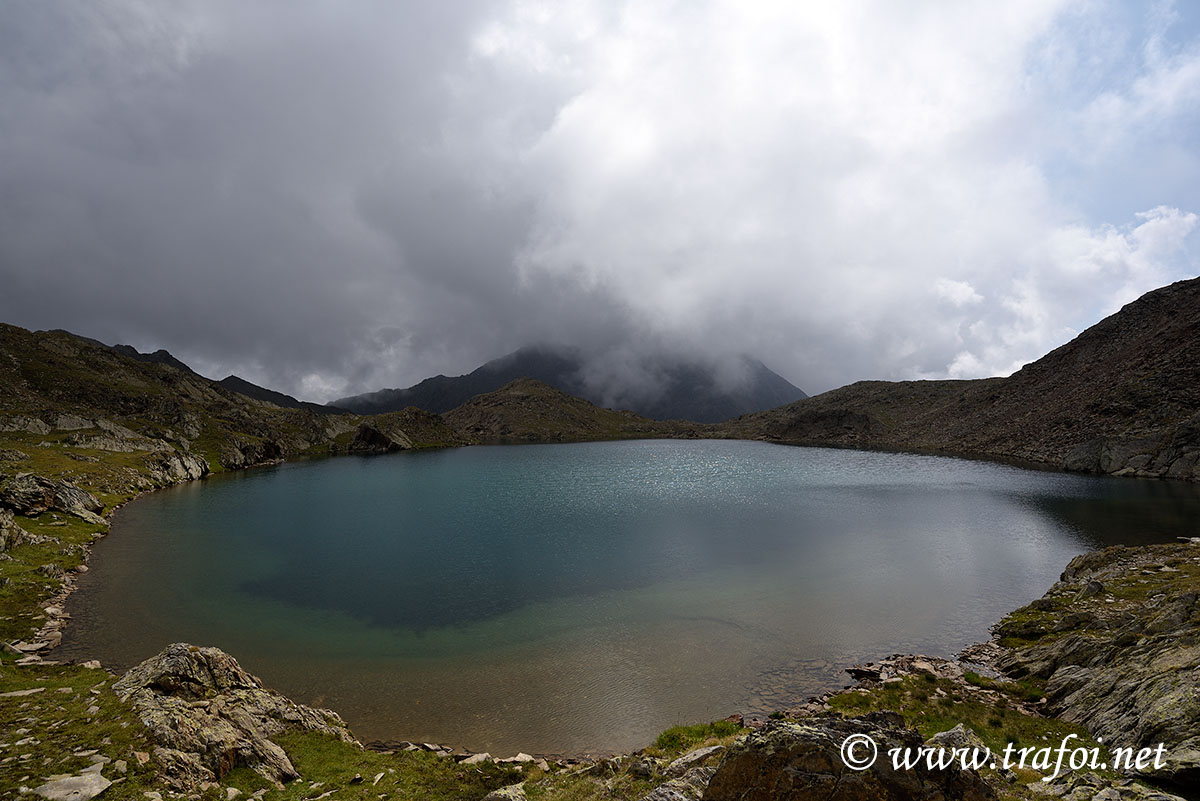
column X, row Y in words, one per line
column 1122, row 398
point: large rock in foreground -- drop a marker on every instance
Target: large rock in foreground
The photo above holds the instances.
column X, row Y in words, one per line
column 802, row 761
column 30, row 494
column 209, row 716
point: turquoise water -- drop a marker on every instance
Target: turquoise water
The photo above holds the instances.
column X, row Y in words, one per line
column 567, row 598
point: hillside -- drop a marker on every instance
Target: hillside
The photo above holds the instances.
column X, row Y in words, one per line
column 64, row 393
column 250, row 390
column 1123, row 397
column 526, row 410
column 685, row 390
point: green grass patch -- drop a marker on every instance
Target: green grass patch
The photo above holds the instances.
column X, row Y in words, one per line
column 679, row 739
column 331, row 764
column 75, row 712
column 996, row 724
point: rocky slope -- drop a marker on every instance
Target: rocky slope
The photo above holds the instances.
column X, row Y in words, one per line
column 527, row 410
column 69, row 392
column 674, row 389
column 250, row 390
column 1123, row 397
column 1117, row 643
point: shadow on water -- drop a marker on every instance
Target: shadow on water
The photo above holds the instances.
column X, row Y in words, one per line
column 1106, row 511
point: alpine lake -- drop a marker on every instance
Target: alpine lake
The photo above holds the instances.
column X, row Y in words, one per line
column 584, row 597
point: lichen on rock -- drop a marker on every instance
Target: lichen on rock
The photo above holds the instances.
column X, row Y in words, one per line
column 208, row 716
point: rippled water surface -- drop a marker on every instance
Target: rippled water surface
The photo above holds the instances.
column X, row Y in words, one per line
column 566, row 598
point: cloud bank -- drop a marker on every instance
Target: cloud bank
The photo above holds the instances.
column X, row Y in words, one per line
column 329, row 198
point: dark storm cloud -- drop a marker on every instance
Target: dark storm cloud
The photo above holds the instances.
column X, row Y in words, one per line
column 331, row 197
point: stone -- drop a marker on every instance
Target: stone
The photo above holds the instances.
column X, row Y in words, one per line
column 30, row 425
column 643, row 768
column 72, row 422
column 22, row 693
column 12, row 535
column 513, row 792
column 787, row 761
column 376, row 438
column 476, row 759
column 692, row 759
column 174, row 467
column 74, row 788
column 958, row 737
column 688, row 787
column 30, row 494
column 209, row 716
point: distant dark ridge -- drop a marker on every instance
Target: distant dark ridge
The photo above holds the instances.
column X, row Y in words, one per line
column 244, row 387
column 159, row 356
column 692, row 391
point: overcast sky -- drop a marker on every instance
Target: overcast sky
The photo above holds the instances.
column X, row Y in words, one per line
column 332, row 197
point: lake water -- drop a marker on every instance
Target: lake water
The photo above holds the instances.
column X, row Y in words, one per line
column 571, row 598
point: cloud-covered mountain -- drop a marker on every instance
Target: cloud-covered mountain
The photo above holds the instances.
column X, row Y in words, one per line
column 663, row 389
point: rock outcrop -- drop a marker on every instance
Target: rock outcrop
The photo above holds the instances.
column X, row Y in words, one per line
column 1118, row 641
column 785, row 761
column 11, row 535
column 175, row 467
column 30, row 494
column 209, row 716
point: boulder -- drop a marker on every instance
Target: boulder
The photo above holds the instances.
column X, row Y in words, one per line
column 513, row 792
column 209, row 716
column 30, row 425
column 72, row 422
column 243, row 452
column 692, row 759
column 688, row 787
column 175, row 466
column 31, row 494
column 372, row 438
column 958, row 737
column 785, row 761
column 11, row 535
column 1076, row 786
column 74, row 788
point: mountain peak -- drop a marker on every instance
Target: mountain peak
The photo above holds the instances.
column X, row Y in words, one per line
column 660, row 388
